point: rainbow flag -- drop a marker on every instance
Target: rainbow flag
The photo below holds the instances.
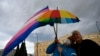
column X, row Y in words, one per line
column 22, row 34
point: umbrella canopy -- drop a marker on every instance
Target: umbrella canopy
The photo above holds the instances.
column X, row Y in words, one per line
column 41, row 18
column 56, row 16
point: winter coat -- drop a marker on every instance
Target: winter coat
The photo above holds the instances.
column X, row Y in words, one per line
column 66, row 50
column 87, row 48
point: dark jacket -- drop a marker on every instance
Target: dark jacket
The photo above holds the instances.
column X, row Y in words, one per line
column 87, row 48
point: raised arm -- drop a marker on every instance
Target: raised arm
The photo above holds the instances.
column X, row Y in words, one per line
column 52, row 46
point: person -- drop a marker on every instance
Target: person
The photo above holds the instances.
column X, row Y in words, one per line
column 84, row 47
column 58, row 49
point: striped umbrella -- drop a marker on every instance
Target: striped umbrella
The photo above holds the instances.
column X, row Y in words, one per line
column 56, row 16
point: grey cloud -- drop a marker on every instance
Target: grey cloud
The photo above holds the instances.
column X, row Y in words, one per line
column 87, row 8
column 44, row 33
column 18, row 11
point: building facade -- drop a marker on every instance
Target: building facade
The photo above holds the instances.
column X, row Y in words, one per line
column 40, row 48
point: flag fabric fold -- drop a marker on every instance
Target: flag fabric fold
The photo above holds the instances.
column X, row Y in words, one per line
column 23, row 33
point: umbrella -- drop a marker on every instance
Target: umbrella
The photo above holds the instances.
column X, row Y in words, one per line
column 56, row 16
column 42, row 18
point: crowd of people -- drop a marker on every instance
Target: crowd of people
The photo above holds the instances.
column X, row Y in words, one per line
column 74, row 45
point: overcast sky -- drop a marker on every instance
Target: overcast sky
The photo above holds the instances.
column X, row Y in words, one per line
column 14, row 13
